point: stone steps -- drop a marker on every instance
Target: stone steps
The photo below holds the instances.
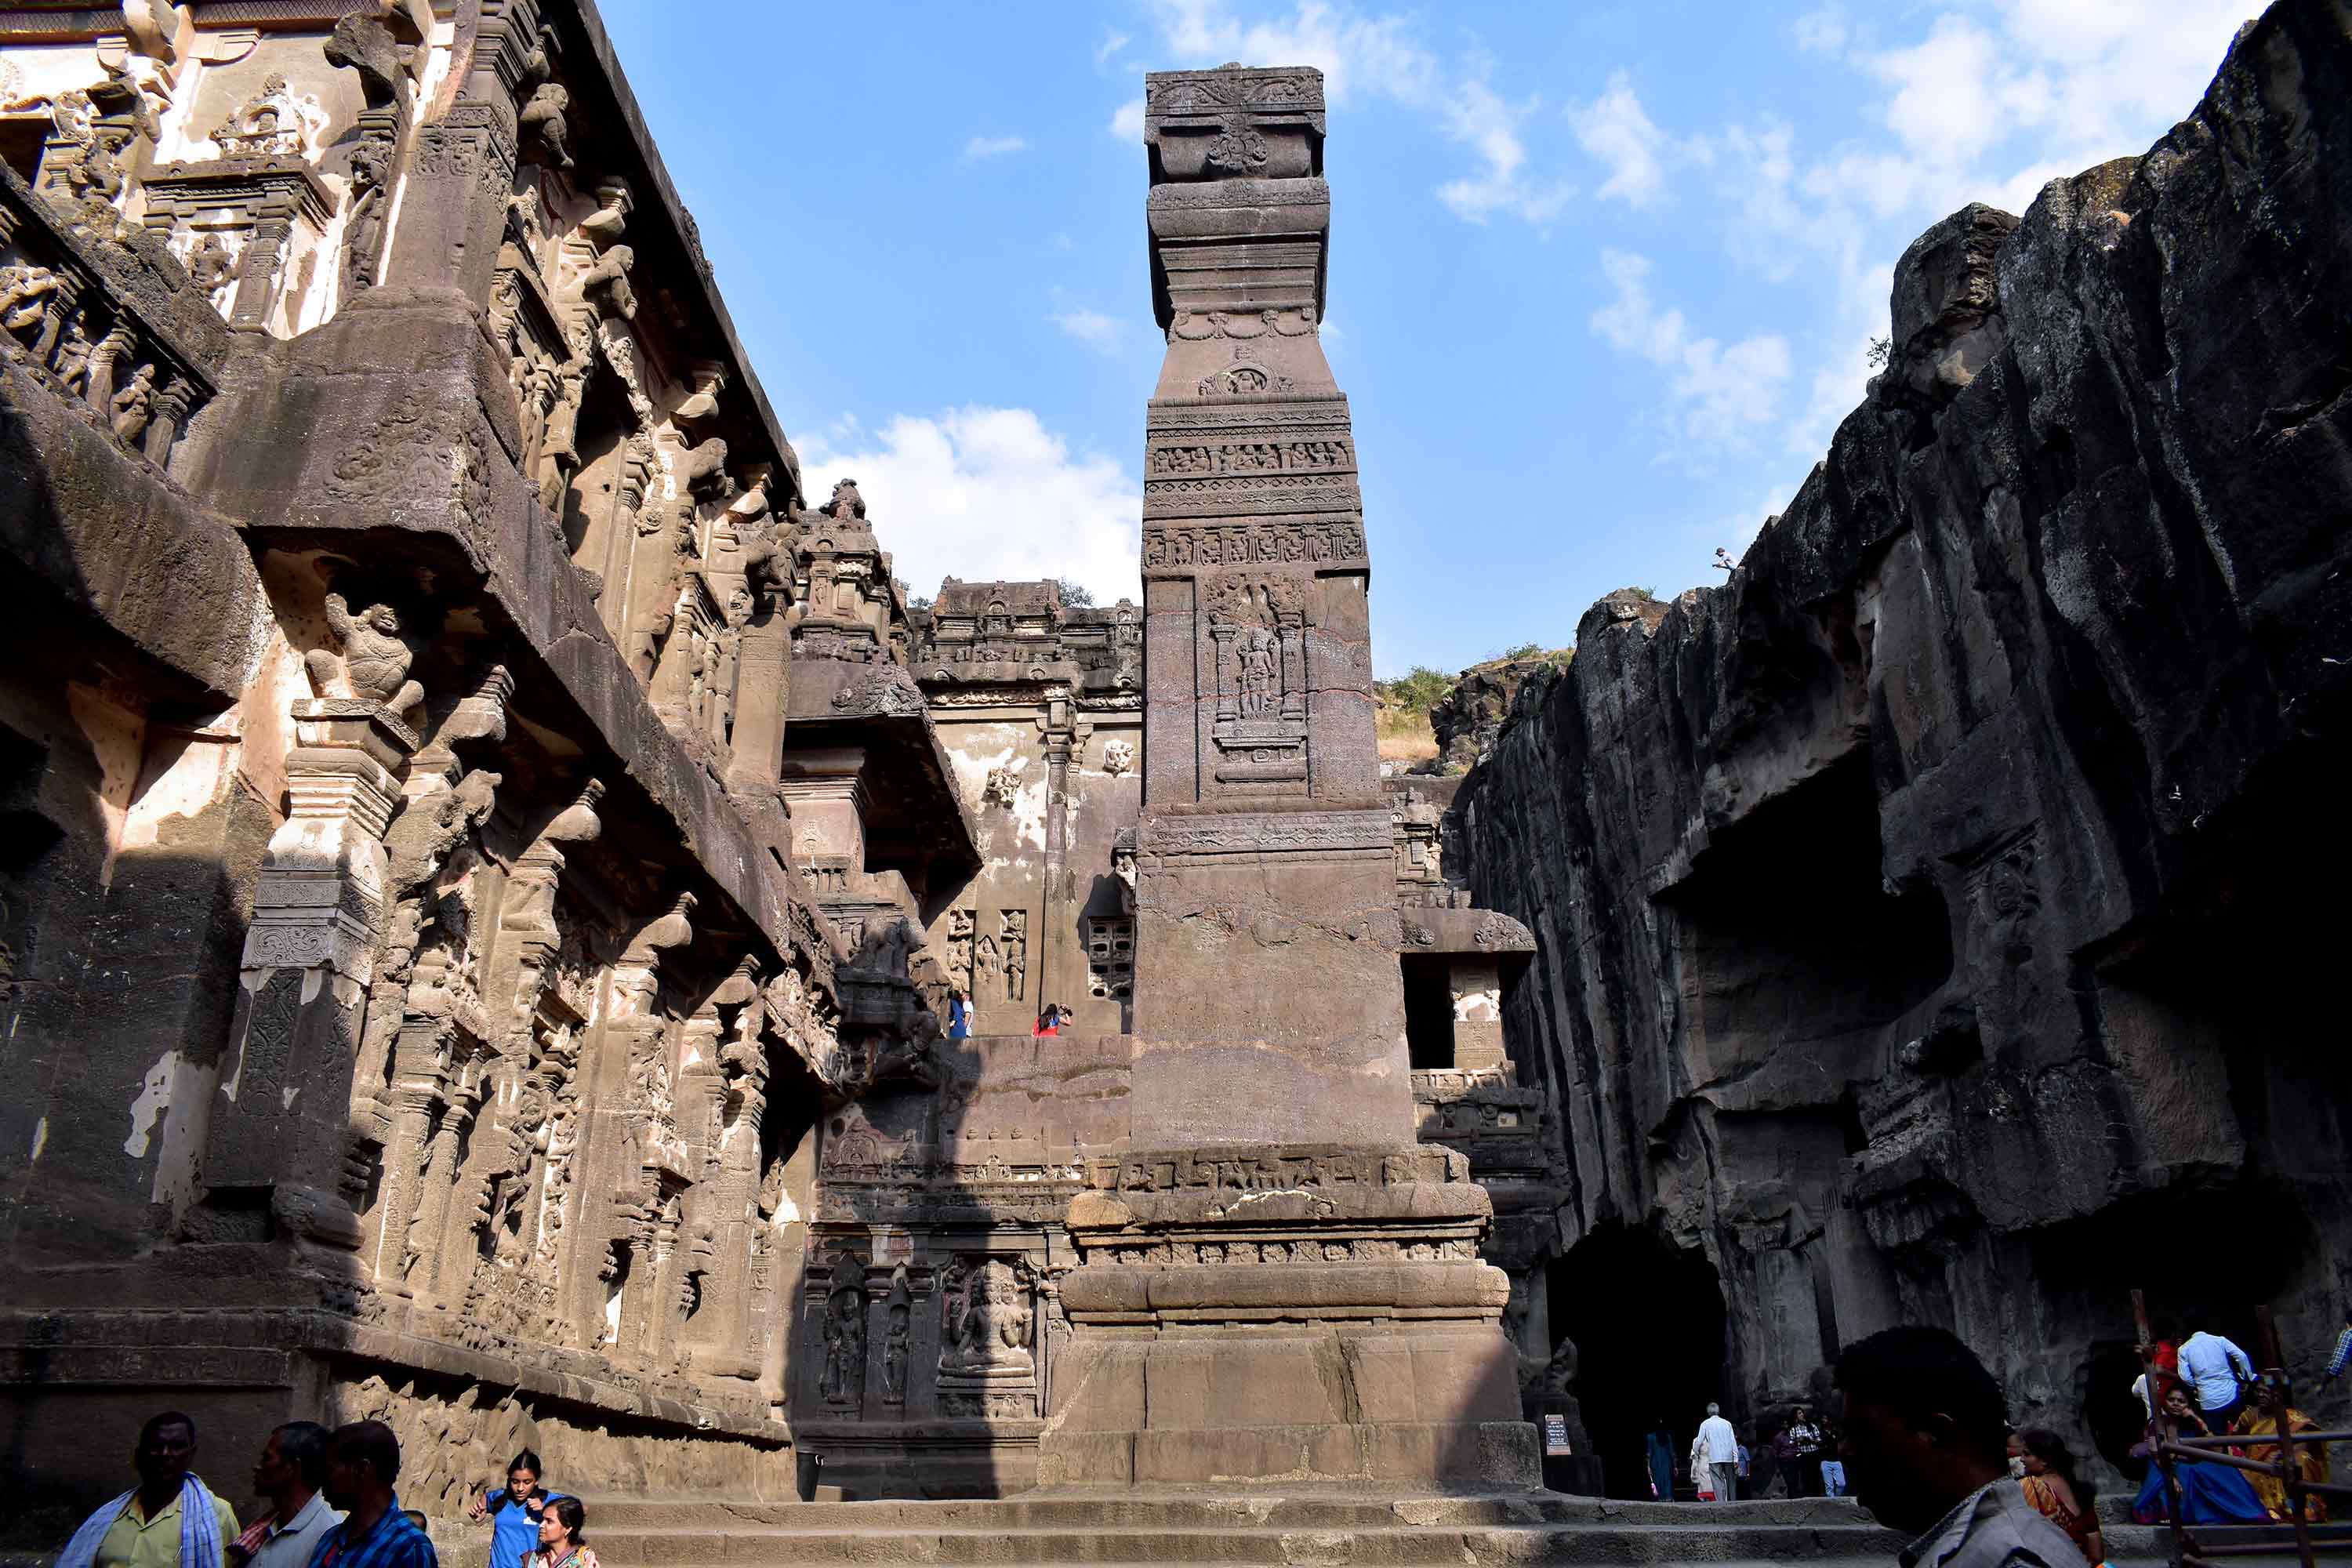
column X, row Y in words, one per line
column 1126, row 1531
column 1301, row 1530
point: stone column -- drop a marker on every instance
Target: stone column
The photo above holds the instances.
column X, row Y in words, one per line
column 1277, row 1284
column 283, row 1117
column 256, row 274
column 461, row 167
column 763, row 689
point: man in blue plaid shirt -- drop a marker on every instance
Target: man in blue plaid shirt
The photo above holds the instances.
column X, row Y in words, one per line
column 2342, row 1356
column 364, row 1462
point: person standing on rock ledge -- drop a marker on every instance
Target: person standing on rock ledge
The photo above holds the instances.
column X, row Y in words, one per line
column 1719, row 1445
column 1926, row 1448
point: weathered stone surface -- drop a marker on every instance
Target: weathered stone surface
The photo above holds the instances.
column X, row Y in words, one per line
column 418, row 1005
column 1919, row 914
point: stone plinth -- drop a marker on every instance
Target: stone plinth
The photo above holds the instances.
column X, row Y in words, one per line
column 1314, row 1315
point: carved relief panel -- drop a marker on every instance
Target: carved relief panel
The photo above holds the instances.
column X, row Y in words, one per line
column 1258, row 625
column 988, row 1365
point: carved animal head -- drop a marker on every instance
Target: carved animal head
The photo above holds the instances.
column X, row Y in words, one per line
column 386, row 619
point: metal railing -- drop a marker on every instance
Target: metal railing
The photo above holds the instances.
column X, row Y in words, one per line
column 2274, row 1392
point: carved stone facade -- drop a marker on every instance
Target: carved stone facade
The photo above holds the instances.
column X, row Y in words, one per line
column 1039, row 705
column 393, row 756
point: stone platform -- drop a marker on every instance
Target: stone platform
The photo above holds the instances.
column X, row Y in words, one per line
column 1113, row 1528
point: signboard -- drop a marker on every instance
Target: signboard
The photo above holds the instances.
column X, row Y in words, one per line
column 1555, row 1434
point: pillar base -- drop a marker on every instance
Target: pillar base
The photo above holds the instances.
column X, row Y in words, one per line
column 1286, row 1317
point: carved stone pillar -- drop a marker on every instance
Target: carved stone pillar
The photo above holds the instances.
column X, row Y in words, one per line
column 462, row 165
column 762, row 690
column 256, row 273
column 1274, row 1221
column 172, row 405
column 284, row 1113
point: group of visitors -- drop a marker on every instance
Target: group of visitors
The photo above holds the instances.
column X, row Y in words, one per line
column 328, row 1500
column 1931, row 1452
column 2204, row 1387
column 1800, row 1458
column 1049, row 1021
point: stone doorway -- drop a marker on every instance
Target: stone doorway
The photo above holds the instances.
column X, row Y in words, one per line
column 1647, row 1319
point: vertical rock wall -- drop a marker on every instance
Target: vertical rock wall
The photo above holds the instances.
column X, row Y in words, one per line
column 1937, row 920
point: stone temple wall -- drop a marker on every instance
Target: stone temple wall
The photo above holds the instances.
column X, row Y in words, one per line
column 1935, row 922
column 418, row 1002
column 1040, row 705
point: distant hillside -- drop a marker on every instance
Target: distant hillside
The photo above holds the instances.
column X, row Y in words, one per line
column 1414, row 708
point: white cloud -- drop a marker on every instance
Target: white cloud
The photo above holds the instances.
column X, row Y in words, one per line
column 1092, row 328
column 1614, row 129
column 1720, row 394
column 1127, row 123
column 1821, row 32
column 1379, row 54
column 1112, row 42
column 1366, row 57
column 1490, row 126
column 979, row 492
column 981, row 147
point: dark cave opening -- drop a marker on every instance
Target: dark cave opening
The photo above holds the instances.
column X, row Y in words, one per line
column 1648, row 1319
column 1428, row 1011
column 1790, row 933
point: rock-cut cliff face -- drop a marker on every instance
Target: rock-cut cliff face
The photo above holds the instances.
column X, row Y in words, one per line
column 1940, row 920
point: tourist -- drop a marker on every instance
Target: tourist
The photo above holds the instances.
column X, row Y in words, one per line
column 2165, row 1356
column 959, row 1016
column 2210, row 1493
column 1658, row 1450
column 2310, row 1458
column 170, row 1520
column 2221, row 1372
column 560, row 1545
column 2064, row 1498
column 1768, row 1463
column 517, row 1508
column 1805, row 1454
column 2342, row 1355
column 1924, row 1432
column 291, row 1469
column 1833, row 1466
column 1720, row 1445
column 1702, row 1473
column 1049, row 1021
column 362, row 1464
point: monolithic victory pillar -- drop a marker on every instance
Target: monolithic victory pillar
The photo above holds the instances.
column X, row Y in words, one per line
column 1277, row 1284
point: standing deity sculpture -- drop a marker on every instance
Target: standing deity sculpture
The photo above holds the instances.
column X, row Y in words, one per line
column 1259, row 654
column 843, row 1379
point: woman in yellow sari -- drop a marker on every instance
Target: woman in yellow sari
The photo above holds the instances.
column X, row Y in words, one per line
column 2311, row 1458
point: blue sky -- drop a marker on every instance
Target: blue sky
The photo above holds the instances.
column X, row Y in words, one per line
column 1603, row 274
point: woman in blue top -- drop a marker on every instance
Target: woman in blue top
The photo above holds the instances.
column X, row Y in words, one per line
column 515, row 1510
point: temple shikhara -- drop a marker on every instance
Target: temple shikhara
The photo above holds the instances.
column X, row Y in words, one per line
column 485, row 852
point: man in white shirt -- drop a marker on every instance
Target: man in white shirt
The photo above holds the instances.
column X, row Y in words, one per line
column 292, row 1467
column 1721, row 1445
column 2218, row 1369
